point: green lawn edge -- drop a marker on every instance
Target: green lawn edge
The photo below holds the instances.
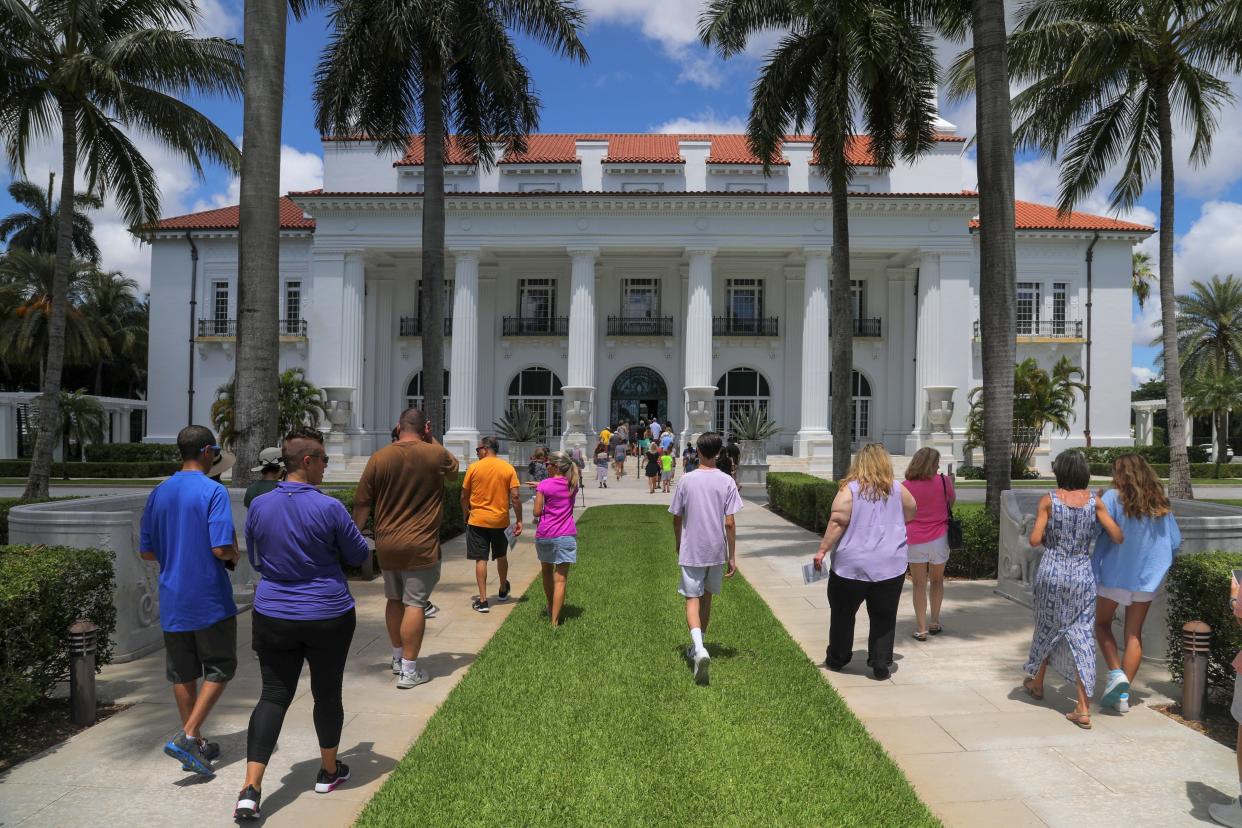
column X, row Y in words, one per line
column 599, row 722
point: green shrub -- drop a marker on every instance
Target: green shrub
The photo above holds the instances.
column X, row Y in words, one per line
column 802, row 498
column 1199, row 471
column 43, row 590
column 134, row 470
column 132, row 452
column 972, row 472
column 981, row 534
column 1152, row 454
column 1199, row 591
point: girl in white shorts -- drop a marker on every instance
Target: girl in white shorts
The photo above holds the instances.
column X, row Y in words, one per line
column 927, row 537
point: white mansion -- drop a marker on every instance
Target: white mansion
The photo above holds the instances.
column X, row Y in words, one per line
column 599, row 277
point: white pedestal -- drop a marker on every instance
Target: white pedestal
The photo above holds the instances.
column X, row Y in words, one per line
column 461, row 443
column 577, row 413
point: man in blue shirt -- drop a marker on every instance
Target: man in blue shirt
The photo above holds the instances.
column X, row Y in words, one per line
column 187, row 527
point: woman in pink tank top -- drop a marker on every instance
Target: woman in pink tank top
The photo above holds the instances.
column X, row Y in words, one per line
column 928, row 536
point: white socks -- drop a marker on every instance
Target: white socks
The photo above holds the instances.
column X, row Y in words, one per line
column 408, row 666
column 396, row 652
column 696, row 636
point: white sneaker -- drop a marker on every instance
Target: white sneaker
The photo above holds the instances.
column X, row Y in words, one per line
column 702, row 666
column 396, row 666
column 1230, row 814
column 412, row 679
column 431, row 610
column 1123, row 703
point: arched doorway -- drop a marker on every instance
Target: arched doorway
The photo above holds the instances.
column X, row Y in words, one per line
column 860, row 410
column 414, row 396
column 538, row 390
column 638, row 393
column 737, row 392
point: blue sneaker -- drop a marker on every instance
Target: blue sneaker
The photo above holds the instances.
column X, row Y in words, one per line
column 211, row 752
column 189, row 753
column 1114, row 686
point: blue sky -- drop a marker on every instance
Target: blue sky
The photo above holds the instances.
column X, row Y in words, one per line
column 647, row 74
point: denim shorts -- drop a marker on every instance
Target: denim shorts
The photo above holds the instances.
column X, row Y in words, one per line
column 559, row 550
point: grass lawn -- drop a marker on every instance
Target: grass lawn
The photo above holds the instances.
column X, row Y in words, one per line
column 599, row 722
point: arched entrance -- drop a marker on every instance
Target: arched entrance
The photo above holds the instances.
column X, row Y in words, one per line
column 637, row 393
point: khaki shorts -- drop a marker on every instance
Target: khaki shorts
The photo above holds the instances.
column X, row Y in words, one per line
column 411, row 587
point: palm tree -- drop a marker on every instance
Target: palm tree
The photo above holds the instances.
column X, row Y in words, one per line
column 984, row 72
column 1209, row 327
column 34, row 228
column 1216, row 391
column 26, row 283
column 299, row 403
column 258, row 257
column 1141, row 276
column 1106, row 80
column 81, row 420
column 837, row 63
column 113, row 308
column 397, row 69
column 93, row 69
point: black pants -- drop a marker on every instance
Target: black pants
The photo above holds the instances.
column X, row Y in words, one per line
column 282, row 646
column 844, row 597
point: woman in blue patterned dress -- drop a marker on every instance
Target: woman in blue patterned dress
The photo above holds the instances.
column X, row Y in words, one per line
column 1066, row 525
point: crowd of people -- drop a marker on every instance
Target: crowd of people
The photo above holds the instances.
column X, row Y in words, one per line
column 1103, row 550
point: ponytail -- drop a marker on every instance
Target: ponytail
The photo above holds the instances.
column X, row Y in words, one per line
column 564, row 464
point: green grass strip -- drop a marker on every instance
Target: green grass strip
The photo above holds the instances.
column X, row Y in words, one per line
column 600, row 723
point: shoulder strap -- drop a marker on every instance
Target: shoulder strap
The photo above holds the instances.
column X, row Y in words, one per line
column 944, row 488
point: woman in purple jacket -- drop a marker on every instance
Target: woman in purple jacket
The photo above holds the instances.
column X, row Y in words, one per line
column 297, row 538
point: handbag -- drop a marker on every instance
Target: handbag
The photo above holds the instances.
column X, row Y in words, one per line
column 956, row 542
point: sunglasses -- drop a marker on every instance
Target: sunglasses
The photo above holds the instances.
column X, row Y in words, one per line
column 321, row 456
column 216, row 451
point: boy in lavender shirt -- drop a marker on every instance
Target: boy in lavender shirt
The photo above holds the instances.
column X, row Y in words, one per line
column 703, row 508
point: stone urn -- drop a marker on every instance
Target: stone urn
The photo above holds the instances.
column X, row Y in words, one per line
column 940, row 407
column 340, row 410
column 700, row 405
column 519, row 455
column 577, row 416
column 753, row 466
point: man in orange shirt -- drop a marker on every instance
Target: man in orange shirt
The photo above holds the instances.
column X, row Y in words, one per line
column 489, row 489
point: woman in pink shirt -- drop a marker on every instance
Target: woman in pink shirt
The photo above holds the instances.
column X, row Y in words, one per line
column 928, row 536
column 556, row 538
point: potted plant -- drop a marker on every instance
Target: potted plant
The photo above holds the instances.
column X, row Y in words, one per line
column 752, row 428
column 522, row 429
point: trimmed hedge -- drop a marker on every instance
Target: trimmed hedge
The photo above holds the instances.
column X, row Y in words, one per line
column 1199, row 471
column 1152, row 454
column 1198, row 590
column 981, row 473
column 452, row 524
column 43, row 590
column 132, row 452
column 802, row 498
column 981, row 534
column 137, row 470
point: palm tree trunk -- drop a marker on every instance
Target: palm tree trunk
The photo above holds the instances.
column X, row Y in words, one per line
column 49, row 402
column 1222, row 440
column 1179, row 463
column 258, row 272
column 841, row 316
column 997, row 256
column 433, row 247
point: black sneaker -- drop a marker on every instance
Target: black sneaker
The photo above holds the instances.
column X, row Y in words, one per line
column 479, row 606
column 189, row 753
column 328, row 782
column 211, row 752
column 247, row 804
column 430, row 610
column 503, row 595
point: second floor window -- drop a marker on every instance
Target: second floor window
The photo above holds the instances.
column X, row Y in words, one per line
column 1060, row 302
column 537, row 298
column 293, row 301
column 448, row 299
column 745, row 299
column 220, row 306
column 640, row 298
column 1028, row 308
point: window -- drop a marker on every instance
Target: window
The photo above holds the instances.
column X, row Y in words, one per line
column 642, row 187
column 538, row 187
column 1027, row 312
column 537, row 299
column 860, row 413
column 220, row 308
column 448, row 299
column 640, row 298
column 858, row 188
column 858, row 298
column 1060, row 300
column 293, row 308
column 756, row 187
column 538, row 390
column 414, row 396
column 737, row 392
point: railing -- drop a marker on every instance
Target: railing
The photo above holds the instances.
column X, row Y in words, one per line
column 864, row 327
column 1046, row 329
column 745, row 326
column 228, row 327
column 535, row 326
column 413, row 326
column 640, row 326
column 293, row 327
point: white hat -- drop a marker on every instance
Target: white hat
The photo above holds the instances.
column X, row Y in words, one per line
column 269, row 457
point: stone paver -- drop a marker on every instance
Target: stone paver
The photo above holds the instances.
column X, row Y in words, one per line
column 116, row 771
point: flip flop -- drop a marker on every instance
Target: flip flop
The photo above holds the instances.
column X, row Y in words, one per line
column 1029, row 687
column 920, row 636
column 1083, row 720
column 935, row 629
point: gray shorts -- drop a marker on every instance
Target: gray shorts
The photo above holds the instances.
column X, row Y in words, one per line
column 411, row 587
column 696, row 580
column 210, row 653
column 1235, row 709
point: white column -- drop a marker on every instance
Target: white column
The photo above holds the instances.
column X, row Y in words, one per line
column 814, row 437
column 579, row 391
column 927, row 346
column 463, row 433
column 699, row 388
column 353, row 320
column 381, row 326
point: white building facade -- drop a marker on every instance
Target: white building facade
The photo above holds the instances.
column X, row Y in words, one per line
column 606, row 277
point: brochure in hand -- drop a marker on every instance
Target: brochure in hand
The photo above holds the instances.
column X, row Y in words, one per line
column 810, row 574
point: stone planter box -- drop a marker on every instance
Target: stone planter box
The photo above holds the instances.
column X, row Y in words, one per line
column 753, row 467
column 112, row 523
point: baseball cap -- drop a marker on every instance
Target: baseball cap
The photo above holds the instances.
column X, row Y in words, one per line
column 269, row 457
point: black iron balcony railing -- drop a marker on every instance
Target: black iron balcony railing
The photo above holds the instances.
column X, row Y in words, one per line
column 640, row 326
column 217, row 327
column 864, row 327
column 293, row 327
column 535, row 326
column 1046, row 329
column 745, row 326
column 413, row 326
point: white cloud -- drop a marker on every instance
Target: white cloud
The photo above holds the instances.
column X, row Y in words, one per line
column 1140, row 374
column 674, row 24
column 1212, row 246
column 218, row 18
column 705, row 121
column 298, row 171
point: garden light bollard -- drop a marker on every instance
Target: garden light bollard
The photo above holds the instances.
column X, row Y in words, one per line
column 1196, row 640
column 82, row 639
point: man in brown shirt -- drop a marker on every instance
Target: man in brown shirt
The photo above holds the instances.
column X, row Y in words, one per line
column 404, row 483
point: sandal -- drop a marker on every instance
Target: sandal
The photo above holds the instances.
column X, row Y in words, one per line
column 935, row 629
column 920, row 636
column 1083, row 720
column 1029, row 686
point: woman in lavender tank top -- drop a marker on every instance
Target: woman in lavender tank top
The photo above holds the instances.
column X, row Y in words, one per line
column 867, row 536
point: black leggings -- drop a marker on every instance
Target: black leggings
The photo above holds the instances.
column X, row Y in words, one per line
column 282, row 646
column 845, row 595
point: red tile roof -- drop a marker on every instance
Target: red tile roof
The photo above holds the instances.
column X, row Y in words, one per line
column 1031, row 216
column 657, row 148
column 228, row 218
